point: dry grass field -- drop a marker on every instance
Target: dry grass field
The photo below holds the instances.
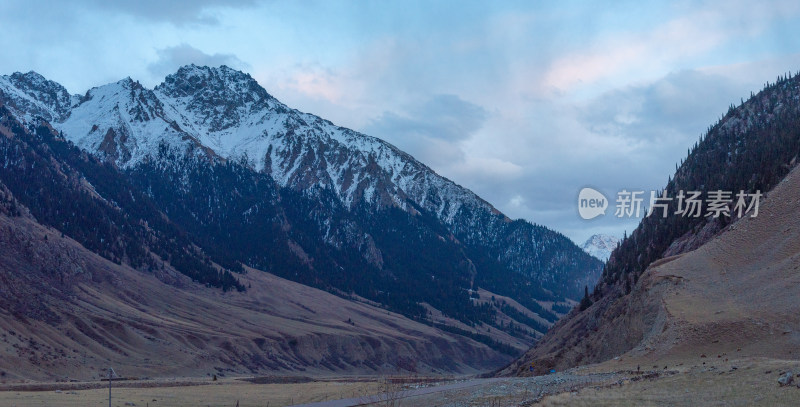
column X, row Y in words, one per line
column 745, row 382
column 223, row 393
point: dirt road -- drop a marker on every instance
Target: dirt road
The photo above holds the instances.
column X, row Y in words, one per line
column 480, row 391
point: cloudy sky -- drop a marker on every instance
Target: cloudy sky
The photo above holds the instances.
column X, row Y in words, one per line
column 524, row 102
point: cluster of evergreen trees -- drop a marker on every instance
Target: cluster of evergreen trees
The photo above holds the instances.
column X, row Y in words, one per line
column 238, row 215
column 91, row 202
column 207, row 218
column 749, row 149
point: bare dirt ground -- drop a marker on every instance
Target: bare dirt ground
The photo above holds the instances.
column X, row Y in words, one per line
column 507, row 391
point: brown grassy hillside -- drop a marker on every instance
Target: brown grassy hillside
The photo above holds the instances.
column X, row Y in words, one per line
column 69, row 314
column 738, row 294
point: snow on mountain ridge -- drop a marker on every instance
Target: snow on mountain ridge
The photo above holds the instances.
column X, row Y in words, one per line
column 216, row 99
column 601, row 246
column 300, row 149
column 230, row 113
column 224, row 114
column 123, row 122
column 31, row 94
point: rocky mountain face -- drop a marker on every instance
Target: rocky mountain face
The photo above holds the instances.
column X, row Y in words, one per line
column 31, row 95
column 600, row 246
column 93, row 273
column 243, row 180
column 750, row 150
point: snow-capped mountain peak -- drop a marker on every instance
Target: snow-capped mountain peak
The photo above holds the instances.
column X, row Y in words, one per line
column 31, row 94
column 215, row 98
column 600, row 246
column 229, row 115
column 123, row 121
column 220, row 113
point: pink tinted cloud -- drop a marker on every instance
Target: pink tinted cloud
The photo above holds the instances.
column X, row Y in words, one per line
column 626, row 57
column 315, row 84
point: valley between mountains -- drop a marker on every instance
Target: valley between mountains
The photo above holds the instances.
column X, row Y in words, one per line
column 203, row 230
column 203, row 227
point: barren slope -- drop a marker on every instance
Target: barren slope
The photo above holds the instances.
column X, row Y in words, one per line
column 739, row 294
column 68, row 313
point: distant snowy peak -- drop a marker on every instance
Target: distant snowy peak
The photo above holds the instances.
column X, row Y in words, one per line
column 30, row 95
column 600, row 246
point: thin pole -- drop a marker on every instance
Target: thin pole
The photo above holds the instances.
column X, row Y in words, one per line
column 109, row 386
